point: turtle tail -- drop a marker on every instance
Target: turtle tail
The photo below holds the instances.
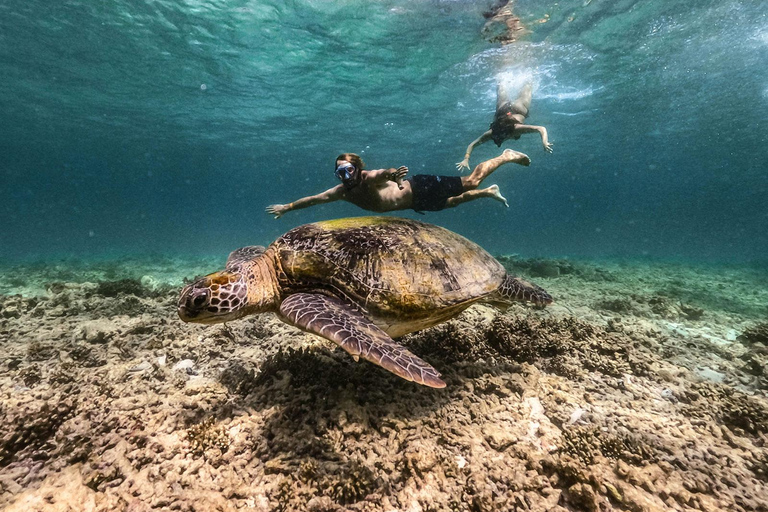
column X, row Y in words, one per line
column 515, row 289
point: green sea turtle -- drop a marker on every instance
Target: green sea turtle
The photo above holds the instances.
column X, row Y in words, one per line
column 359, row 282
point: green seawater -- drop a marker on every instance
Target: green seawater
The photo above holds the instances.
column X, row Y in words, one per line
column 167, row 126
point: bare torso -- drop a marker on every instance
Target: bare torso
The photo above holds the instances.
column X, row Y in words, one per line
column 380, row 197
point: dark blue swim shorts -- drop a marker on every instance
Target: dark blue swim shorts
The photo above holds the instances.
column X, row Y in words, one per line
column 430, row 192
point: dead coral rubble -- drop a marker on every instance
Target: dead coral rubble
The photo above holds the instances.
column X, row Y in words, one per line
column 542, row 412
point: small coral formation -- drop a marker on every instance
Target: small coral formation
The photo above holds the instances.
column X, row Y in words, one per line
column 342, row 482
column 306, row 367
column 728, row 406
column 30, row 375
column 39, row 351
column 350, row 484
column 621, row 305
column 648, row 306
column 691, row 312
column 207, row 435
column 145, row 287
column 756, row 363
column 666, row 307
column 456, row 341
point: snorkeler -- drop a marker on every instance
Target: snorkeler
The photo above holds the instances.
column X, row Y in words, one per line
column 385, row 190
column 508, row 123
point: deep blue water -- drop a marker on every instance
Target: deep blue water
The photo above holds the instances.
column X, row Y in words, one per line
column 168, row 126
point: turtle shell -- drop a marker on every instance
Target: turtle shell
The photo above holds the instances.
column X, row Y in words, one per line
column 406, row 274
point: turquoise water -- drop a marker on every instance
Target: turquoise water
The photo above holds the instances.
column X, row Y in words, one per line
column 168, row 126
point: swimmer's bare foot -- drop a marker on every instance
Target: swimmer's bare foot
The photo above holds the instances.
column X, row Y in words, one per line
column 516, row 157
column 496, row 194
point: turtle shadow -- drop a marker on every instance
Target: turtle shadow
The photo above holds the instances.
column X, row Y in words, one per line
column 317, row 404
column 323, row 419
column 331, row 382
column 329, row 379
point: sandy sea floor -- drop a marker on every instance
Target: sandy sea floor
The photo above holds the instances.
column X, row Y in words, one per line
column 643, row 388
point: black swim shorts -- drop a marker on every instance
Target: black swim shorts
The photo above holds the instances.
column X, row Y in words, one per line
column 431, row 192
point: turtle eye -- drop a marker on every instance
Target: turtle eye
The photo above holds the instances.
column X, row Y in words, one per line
column 200, row 299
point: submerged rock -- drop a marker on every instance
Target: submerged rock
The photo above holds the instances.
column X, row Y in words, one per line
column 184, row 365
column 758, row 333
column 97, row 331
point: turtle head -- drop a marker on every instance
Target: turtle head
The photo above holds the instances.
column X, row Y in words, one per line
column 247, row 285
column 215, row 298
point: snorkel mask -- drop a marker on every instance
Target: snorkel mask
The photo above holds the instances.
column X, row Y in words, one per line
column 346, row 172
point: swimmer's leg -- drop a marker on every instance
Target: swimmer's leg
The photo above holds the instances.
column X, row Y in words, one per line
column 470, row 195
column 501, row 95
column 484, row 169
column 523, row 102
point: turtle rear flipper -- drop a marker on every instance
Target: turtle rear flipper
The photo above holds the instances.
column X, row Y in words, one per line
column 516, row 289
column 345, row 325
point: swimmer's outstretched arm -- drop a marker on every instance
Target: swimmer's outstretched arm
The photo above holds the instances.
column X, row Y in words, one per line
column 464, row 164
column 529, row 128
column 330, row 195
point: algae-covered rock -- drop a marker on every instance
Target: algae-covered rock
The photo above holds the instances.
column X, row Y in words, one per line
column 563, row 346
column 121, row 287
column 757, row 333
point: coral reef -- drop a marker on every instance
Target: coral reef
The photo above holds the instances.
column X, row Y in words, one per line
column 617, row 397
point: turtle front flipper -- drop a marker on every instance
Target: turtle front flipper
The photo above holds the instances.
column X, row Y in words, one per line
column 345, row 325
